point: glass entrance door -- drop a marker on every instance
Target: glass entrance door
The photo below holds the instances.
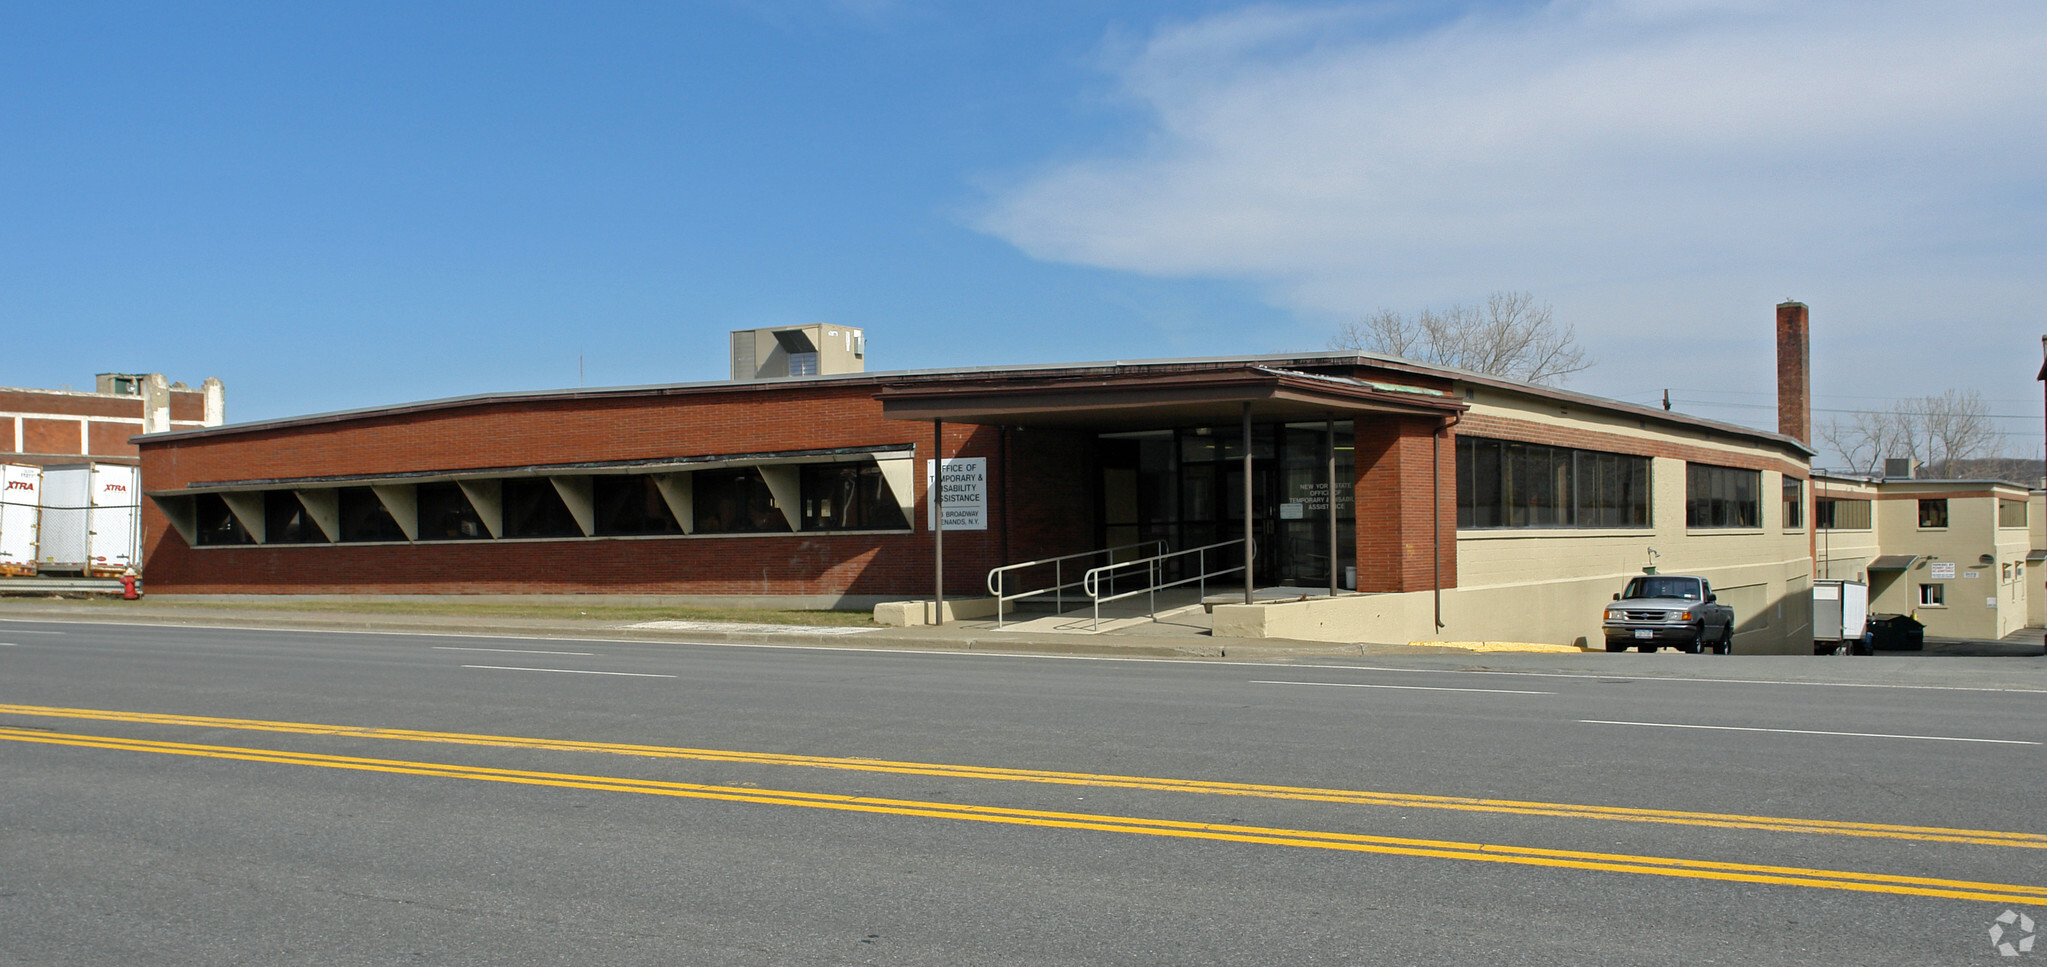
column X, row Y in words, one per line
column 1186, row 486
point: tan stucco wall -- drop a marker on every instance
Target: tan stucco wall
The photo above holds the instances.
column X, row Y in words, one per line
column 1983, row 599
column 2035, row 584
column 1551, row 586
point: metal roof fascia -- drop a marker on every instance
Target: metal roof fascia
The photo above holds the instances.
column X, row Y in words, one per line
column 1394, row 363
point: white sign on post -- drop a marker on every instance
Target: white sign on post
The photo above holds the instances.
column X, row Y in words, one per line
column 965, row 495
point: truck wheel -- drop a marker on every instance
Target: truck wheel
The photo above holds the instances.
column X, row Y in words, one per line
column 1726, row 645
column 1613, row 644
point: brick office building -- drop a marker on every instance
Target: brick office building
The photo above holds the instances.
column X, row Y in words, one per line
column 47, row 427
column 1465, row 506
column 690, row 489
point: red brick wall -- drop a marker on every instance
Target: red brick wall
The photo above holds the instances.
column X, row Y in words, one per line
column 1051, row 485
column 7, row 434
column 1396, row 533
column 29, row 401
column 1794, row 373
column 188, row 406
column 111, row 439
column 573, row 431
column 511, row 434
column 800, row 564
column 49, row 436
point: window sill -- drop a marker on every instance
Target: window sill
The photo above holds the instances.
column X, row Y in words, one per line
column 1508, row 533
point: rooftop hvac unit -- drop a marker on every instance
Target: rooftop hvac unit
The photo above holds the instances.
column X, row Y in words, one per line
column 814, row 350
column 743, row 366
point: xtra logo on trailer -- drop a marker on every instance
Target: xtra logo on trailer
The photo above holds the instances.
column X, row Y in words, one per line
column 20, row 485
column 115, row 488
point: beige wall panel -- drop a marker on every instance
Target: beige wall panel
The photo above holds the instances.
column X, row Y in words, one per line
column 1772, row 613
column 1988, row 604
column 1551, row 586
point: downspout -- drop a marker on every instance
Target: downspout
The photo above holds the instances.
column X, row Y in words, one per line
column 1436, row 512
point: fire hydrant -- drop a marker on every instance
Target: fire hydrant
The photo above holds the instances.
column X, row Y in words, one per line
column 131, row 585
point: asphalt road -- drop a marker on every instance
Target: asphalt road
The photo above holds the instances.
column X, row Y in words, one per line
column 177, row 795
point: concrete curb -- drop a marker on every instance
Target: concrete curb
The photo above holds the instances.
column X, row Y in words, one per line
column 931, row 640
column 1494, row 647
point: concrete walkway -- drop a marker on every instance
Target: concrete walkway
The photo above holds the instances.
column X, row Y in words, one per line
column 1181, row 632
column 1178, row 637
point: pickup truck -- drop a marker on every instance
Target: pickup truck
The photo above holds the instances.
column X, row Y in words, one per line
column 1669, row 609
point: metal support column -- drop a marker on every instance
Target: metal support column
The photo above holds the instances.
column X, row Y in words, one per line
column 1335, row 558
column 1436, row 519
column 937, row 499
column 1247, row 504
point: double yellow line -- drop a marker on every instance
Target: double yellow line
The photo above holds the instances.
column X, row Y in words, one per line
column 1937, row 834
column 1224, row 832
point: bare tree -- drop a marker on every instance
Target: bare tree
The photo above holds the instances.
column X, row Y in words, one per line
column 1955, row 426
column 1511, row 335
column 1941, row 433
column 1865, row 440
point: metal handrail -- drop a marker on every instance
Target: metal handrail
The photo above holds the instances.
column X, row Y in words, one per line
column 998, row 577
column 1091, row 581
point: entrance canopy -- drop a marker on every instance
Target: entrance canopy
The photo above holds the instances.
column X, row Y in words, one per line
column 1147, row 397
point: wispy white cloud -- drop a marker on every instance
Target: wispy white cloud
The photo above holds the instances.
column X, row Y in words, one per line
column 1614, row 155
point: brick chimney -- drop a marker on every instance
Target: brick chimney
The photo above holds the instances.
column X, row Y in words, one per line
column 1794, row 373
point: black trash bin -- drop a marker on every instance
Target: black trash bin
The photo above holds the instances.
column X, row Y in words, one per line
column 1897, row 632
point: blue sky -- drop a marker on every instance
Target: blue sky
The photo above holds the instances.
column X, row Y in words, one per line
column 340, row 205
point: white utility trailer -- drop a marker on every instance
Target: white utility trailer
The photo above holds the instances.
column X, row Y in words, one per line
column 1840, row 610
column 91, row 520
column 21, row 510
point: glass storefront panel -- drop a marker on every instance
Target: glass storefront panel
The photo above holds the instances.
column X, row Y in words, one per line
column 1186, row 486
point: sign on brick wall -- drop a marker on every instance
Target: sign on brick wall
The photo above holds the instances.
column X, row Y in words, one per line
column 965, row 494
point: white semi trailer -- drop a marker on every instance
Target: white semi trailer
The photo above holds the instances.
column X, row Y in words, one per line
column 21, row 508
column 91, row 520
column 1840, row 614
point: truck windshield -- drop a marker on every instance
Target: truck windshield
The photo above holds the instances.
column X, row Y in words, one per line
column 1686, row 588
